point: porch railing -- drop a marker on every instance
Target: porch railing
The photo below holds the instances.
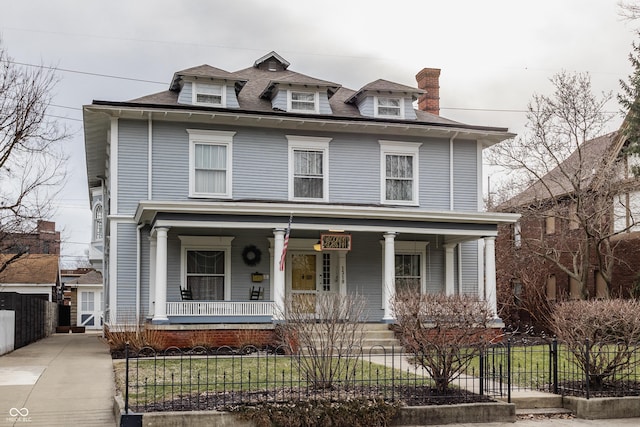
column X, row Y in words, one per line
column 220, row 308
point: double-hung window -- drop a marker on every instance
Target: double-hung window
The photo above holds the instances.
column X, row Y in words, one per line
column 408, row 273
column 399, row 172
column 389, row 107
column 210, row 163
column 209, row 94
column 206, row 266
column 304, row 102
column 308, row 168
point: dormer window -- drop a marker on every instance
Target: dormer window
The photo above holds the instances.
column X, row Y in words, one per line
column 209, row 94
column 389, row 107
column 303, row 102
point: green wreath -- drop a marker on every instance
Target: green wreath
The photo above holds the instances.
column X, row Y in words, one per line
column 251, row 255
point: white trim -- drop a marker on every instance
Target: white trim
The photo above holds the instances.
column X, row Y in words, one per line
column 479, row 176
column 210, row 137
column 316, row 101
column 113, row 272
column 451, row 181
column 311, row 144
column 113, row 176
column 400, row 148
column 150, row 159
column 147, row 209
column 210, row 243
column 387, row 116
column 194, row 94
column 481, row 259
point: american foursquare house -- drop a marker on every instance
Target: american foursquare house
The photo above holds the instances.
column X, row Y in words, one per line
column 198, row 191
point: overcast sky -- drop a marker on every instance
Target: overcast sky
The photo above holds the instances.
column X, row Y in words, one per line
column 493, row 54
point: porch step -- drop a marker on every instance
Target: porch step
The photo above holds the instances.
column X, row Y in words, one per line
column 379, row 339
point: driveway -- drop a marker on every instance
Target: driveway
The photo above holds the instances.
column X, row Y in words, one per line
column 62, row 380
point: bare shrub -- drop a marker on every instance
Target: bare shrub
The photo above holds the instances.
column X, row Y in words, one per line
column 328, row 331
column 442, row 333
column 137, row 336
column 608, row 331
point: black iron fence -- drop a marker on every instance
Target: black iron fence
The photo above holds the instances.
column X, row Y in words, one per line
column 201, row 379
column 585, row 369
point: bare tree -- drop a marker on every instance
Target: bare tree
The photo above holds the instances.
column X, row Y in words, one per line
column 31, row 158
column 327, row 330
column 569, row 175
column 602, row 335
column 442, row 333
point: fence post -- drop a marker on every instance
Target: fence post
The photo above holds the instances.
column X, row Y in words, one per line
column 587, row 367
column 126, row 378
column 482, row 350
column 554, row 360
column 509, row 370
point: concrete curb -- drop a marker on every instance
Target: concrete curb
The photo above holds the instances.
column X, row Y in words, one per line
column 603, row 407
column 409, row 416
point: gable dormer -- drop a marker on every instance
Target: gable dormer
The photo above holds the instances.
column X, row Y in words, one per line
column 207, row 86
column 294, row 92
column 386, row 100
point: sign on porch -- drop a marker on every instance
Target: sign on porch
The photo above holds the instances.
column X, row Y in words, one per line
column 335, row 242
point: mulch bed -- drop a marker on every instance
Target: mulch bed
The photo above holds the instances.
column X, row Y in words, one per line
column 609, row 389
column 409, row 396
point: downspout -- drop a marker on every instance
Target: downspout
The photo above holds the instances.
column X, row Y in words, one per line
column 451, row 204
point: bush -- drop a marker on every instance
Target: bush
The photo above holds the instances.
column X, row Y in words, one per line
column 118, row 335
column 351, row 413
column 442, row 333
column 608, row 331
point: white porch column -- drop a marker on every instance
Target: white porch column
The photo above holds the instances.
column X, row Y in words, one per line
column 278, row 275
column 389, row 284
column 152, row 276
column 160, row 311
column 490, row 273
column 449, row 271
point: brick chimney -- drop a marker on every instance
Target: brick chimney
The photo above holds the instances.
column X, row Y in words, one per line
column 429, row 80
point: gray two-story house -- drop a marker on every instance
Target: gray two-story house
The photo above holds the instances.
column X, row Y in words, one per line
column 220, row 198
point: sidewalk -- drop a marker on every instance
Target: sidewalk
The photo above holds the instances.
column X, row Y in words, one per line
column 62, row 380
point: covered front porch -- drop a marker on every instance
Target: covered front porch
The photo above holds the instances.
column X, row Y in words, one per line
column 221, row 255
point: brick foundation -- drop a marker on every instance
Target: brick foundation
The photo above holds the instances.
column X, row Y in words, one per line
column 216, row 337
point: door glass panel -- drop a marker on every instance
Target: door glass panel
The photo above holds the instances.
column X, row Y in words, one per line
column 303, row 282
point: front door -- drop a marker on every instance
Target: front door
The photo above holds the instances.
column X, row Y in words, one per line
column 304, row 281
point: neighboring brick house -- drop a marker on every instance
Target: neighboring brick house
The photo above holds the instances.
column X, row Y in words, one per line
column 549, row 209
column 192, row 190
column 43, row 240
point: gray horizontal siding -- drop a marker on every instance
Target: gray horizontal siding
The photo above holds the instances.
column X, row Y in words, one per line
column 133, row 152
column 279, row 102
column 469, row 272
column 260, row 167
column 232, row 98
column 364, row 273
column 465, row 175
column 126, row 271
column 354, row 170
column 170, row 168
column 435, row 265
column 323, row 101
column 186, row 94
column 409, row 112
column 366, row 106
column 434, row 174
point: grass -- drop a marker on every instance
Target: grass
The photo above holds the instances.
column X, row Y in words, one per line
column 155, row 380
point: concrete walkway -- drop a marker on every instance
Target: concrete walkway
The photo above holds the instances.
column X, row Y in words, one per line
column 62, row 380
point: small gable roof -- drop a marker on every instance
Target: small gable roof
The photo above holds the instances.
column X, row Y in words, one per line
column 91, row 278
column 31, row 269
column 385, row 87
column 272, row 56
column 204, row 71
